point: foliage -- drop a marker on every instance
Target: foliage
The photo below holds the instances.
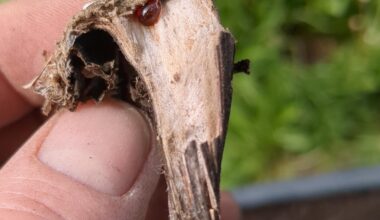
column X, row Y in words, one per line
column 312, row 101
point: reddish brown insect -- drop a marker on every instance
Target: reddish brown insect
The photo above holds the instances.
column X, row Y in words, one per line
column 149, row 13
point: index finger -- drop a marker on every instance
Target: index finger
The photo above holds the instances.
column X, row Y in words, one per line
column 29, row 29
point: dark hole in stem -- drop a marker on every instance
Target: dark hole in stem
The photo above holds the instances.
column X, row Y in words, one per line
column 84, row 88
column 98, row 50
column 97, row 46
column 94, row 55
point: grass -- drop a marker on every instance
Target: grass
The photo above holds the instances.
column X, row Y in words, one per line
column 312, row 102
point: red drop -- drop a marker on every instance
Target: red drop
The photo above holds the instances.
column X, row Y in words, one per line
column 149, row 13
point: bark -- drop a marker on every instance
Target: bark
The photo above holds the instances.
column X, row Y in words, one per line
column 178, row 71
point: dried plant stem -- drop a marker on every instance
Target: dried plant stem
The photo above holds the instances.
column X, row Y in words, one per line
column 178, row 71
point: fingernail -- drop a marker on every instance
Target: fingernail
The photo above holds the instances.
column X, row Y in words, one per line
column 102, row 146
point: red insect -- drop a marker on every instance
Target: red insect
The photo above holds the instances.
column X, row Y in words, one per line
column 149, row 13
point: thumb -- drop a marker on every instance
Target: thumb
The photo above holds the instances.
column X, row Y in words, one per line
column 96, row 163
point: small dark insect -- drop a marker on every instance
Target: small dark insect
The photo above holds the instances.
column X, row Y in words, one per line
column 149, row 13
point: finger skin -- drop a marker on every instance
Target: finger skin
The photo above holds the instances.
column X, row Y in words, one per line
column 31, row 189
column 14, row 135
column 14, row 106
column 158, row 205
column 29, row 28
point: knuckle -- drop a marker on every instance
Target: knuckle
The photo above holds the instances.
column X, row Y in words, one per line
column 19, row 196
column 18, row 204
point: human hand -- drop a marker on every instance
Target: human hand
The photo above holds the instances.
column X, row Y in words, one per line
column 100, row 162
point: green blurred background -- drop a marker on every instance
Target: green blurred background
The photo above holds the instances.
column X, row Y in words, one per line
column 312, row 102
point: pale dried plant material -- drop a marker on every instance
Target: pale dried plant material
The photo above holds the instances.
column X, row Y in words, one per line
column 178, row 71
column 56, row 84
